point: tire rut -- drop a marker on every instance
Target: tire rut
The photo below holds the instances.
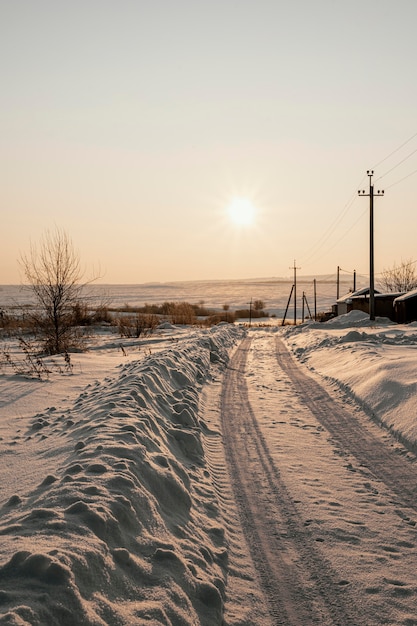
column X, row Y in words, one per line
column 299, row 586
column 396, row 472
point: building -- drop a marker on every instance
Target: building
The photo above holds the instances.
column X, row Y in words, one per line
column 359, row 301
column 352, row 301
column 405, row 307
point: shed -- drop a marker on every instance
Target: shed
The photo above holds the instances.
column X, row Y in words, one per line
column 405, row 307
column 354, row 300
column 359, row 301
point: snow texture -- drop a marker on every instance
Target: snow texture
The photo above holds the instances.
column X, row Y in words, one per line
column 124, row 527
column 111, row 511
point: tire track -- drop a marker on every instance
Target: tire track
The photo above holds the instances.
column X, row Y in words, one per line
column 396, row 472
column 299, row 586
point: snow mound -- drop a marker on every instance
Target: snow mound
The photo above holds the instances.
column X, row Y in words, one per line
column 166, row 326
column 355, row 318
column 128, row 529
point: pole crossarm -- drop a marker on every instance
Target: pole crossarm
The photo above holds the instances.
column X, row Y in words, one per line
column 362, row 192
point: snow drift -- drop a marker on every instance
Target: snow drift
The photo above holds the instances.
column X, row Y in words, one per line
column 374, row 362
column 127, row 528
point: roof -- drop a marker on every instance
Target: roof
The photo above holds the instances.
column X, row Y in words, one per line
column 354, row 294
column 389, row 295
column 407, row 296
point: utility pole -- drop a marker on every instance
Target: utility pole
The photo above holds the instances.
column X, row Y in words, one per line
column 295, row 291
column 315, row 300
column 286, row 308
column 371, row 195
column 354, row 280
column 306, row 303
column 338, row 283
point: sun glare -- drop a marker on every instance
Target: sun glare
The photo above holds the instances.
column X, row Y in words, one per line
column 241, row 211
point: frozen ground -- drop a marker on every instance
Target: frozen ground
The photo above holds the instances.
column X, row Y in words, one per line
column 207, row 477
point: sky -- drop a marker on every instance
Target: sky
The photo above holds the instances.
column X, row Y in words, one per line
column 134, row 125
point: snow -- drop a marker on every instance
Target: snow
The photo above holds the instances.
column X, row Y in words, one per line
column 406, row 296
column 115, row 502
column 374, row 362
column 353, row 294
column 108, row 513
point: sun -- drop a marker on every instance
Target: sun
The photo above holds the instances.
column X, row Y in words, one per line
column 241, row 211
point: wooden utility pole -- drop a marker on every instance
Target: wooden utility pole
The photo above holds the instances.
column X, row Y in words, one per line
column 295, row 291
column 315, row 300
column 371, row 195
column 286, row 308
column 338, row 283
column 306, row 303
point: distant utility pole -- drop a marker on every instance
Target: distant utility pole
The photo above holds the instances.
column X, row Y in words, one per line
column 315, row 299
column 371, row 195
column 286, row 308
column 338, row 283
column 308, row 308
column 295, row 291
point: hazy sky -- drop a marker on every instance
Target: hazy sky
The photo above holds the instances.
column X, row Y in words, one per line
column 132, row 125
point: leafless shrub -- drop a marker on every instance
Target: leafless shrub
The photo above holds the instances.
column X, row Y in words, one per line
column 216, row 318
column 181, row 313
column 31, row 364
column 102, row 314
column 137, row 325
column 401, row 277
column 258, row 305
column 253, row 313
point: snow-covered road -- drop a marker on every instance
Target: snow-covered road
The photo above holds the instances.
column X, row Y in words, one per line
column 326, row 499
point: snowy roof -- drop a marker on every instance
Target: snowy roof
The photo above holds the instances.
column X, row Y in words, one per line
column 406, row 296
column 392, row 295
column 353, row 294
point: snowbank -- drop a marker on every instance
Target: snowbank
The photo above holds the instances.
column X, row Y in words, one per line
column 374, row 362
column 126, row 529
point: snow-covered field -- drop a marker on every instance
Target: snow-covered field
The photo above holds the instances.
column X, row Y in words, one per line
column 213, row 293
column 112, row 506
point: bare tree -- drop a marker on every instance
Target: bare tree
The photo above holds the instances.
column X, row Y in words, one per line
column 259, row 305
column 401, row 277
column 54, row 275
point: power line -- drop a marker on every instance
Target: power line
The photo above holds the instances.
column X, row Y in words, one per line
column 329, row 249
column 316, row 248
column 394, row 151
column 401, row 179
column 409, row 264
column 398, row 164
column 330, row 230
